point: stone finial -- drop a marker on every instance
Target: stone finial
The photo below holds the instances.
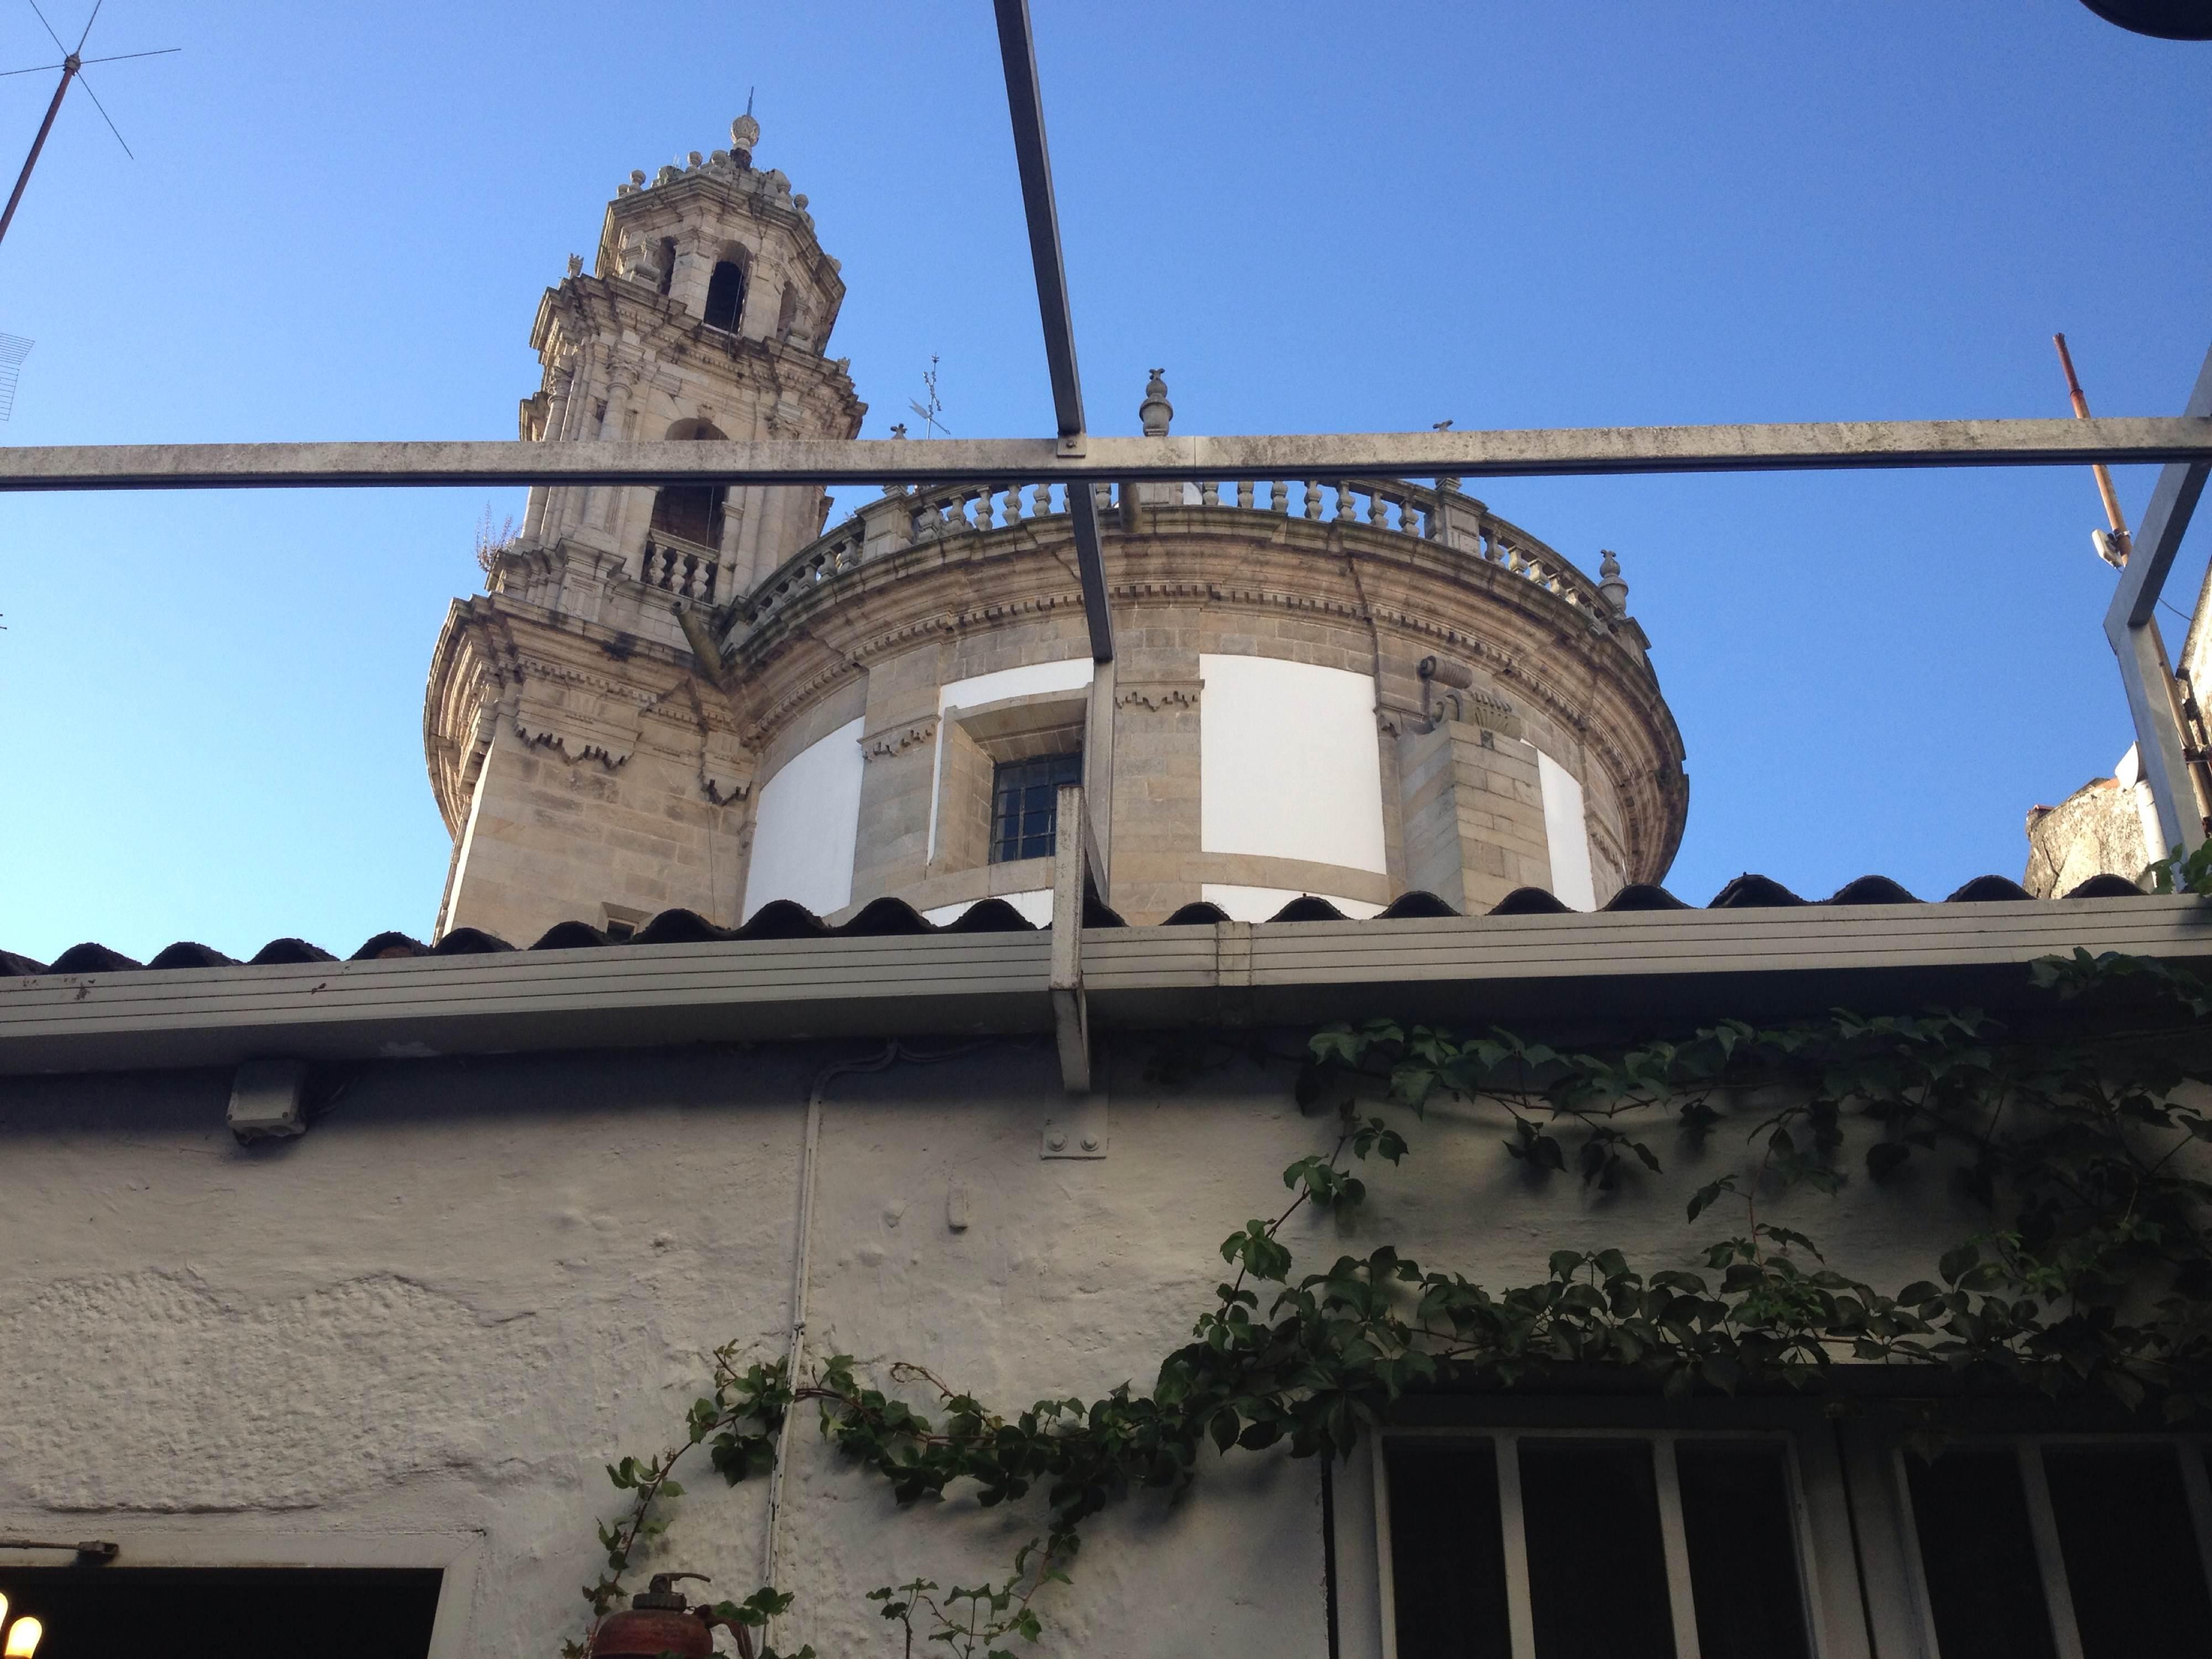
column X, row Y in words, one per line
column 744, row 133
column 1155, row 411
column 1610, row 584
column 637, row 177
column 695, row 158
column 576, row 265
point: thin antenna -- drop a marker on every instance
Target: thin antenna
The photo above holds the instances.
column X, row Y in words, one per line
column 2113, row 549
column 72, row 69
column 749, row 101
column 14, row 348
column 930, row 410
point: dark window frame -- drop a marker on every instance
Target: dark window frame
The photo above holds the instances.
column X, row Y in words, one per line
column 1025, row 803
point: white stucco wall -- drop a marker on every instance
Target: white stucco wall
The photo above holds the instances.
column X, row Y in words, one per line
column 1068, row 674
column 808, row 826
column 1566, row 835
column 1259, row 903
column 425, row 1325
column 1290, row 766
column 1036, row 908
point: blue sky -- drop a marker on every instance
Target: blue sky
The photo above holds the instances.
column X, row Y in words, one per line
column 1317, row 218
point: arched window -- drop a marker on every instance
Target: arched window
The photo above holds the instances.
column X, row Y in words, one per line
column 726, row 295
column 667, row 262
column 690, row 512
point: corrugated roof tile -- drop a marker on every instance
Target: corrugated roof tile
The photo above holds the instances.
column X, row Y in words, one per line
column 783, row 919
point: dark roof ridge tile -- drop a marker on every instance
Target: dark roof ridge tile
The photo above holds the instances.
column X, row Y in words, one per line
column 189, row 953
column 1872, row 890
column 1753, row 892
column 990, row 915
column 287, row 953
column 1531, row 902
column 1643, row 896
column 1985, row 890
column 92, row 959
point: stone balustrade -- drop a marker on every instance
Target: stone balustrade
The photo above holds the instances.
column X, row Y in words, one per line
column 689, row 569
column 910, row 518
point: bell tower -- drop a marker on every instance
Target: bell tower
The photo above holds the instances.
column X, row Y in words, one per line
column 582, row 773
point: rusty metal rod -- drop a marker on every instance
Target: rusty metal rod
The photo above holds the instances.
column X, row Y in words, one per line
column 2103, row 474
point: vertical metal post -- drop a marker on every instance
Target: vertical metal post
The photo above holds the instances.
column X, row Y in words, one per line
column 2132, row 628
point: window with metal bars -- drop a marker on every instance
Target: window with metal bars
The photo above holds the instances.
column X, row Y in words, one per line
column 1624, row 1543
column 1025, row 804
column 2065, row 1548
column 1595, row 1546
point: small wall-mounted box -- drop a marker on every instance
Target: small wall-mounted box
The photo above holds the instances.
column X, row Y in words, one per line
column 264, row 1100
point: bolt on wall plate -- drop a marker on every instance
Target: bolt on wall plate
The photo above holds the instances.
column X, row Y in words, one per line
column 1076, row 1126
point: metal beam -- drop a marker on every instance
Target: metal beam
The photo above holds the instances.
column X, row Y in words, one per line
column 1807, row 446
column 1026, row 103
column 2132, row 629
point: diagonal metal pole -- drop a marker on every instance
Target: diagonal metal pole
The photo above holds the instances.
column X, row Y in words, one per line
column 2132, row 627
column 1025, row 103
column 7, row 215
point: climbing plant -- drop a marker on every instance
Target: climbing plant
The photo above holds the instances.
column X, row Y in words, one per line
column 2071, row 1129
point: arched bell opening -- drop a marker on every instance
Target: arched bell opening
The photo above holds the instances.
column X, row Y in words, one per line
column 683, row 543
column 726, row 295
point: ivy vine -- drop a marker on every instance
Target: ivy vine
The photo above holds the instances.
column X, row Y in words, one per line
column 2071, row 1129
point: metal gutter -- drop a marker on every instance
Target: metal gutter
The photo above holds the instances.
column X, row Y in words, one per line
column 1630, row 967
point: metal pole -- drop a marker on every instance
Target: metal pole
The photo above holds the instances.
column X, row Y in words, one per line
column 1025, row 105
column 69, row 71
column 2113, row 516
column 2131, row 630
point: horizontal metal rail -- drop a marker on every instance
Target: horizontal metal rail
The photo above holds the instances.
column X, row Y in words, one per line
column 1804, row 447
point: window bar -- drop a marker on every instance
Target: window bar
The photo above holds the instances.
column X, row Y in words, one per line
column 1519, row 1608
column 2196, row 1482
column 1385, row 1579
column 1682, row 1594
column 1908, row 1527
column 2065, row 1634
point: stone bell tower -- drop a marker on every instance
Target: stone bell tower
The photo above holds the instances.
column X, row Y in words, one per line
column 573, row 756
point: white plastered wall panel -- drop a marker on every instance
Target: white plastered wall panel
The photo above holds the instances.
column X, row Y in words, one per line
column 1034, row 906
column 1260, row 903
column 1069, row 674
column 1566, row 835
column 809, row 826
column 1288, row 762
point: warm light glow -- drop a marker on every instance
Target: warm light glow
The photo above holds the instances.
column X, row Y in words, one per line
column 4, row 1613
column 23, row 1638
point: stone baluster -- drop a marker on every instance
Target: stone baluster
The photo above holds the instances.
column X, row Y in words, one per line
column 1209, row 494
column 1013, row 504
column 1279, row 496
column 1313, row 498
column 1347, row 505
column 1244, row 494
column 984, row 502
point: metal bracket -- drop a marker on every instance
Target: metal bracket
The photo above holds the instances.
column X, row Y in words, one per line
column 1079, row 1127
